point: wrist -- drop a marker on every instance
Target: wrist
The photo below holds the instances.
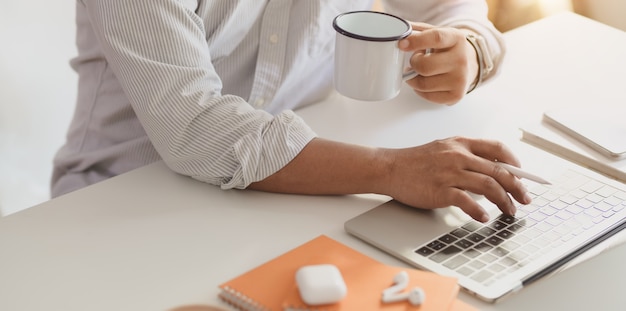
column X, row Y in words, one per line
column 483, row 58
column 383, row 170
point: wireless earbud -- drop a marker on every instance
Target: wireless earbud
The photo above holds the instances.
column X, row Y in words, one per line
column 415, row 296
column 400, row 282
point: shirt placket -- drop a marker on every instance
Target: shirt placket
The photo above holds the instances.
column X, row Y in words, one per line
column 272, row 49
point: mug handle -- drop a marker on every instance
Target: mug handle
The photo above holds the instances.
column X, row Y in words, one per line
column 410, row 74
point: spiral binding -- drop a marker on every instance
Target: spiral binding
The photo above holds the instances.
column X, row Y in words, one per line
column 240, row 301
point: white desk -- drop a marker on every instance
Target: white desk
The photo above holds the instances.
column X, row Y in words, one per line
column 154, row 240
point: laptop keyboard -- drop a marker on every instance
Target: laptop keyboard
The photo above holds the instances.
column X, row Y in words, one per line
column 558, row 213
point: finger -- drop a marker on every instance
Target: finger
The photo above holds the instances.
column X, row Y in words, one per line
column 441, row 89
column 430, row 64
column 465, row 202
column 438, row 83
column 450, row 81
column 506, row 183
column 491, row 189
column 492, row 150
column 434, row 38
column 481, row 163
column 441, row 97
column 417, row 26
column 475, row 177
column 511, row 183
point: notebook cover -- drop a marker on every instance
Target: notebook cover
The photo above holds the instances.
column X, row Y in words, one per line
column 366, row 283
column 271, row 286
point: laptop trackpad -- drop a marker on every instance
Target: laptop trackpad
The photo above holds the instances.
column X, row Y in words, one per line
column 396, row 228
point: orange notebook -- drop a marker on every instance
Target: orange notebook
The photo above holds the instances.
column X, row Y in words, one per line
column 272, row 286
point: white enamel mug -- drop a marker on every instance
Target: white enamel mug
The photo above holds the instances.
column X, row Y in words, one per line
column 368, row 63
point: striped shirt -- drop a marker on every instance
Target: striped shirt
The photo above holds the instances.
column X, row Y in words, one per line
column 209, row 86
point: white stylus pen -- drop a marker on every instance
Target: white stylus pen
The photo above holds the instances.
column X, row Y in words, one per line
column 523, row 174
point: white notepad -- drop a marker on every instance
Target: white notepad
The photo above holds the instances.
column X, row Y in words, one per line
column 604, row 130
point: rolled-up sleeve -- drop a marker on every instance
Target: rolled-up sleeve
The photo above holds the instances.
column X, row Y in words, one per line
column 159, row 53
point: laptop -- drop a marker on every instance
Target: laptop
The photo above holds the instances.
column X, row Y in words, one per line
column 500, row 257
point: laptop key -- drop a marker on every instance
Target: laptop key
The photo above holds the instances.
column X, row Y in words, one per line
column 445, row 253
column 497, row 225
column 486, row 231
column 465, row 271
column 482, row 276
column 464, row 244
column 475, row 237
column 499, row 252
column 424, row 251
column 476, row 264
column 472, row 226
column 471, row 253
column 496, row 267
column 456, row 262
column 505, row 234
column 516, row 227
column 483, row 247
column 447, row 238
column 508, row 219
column 606, row 191
column 494, row 240
column 508, row 261
column 436, row 245
column 459, row 233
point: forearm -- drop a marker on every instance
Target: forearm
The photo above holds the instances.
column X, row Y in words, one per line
column 434, row 175
column 328, row 167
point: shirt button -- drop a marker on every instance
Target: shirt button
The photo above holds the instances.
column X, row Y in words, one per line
column 259, row 102
column 274, row 38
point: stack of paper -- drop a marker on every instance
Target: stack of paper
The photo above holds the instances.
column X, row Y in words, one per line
column 553, row 140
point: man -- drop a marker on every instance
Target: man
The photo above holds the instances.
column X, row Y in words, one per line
column 208, row 87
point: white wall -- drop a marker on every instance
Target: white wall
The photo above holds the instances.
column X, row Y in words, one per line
column 37, row 92
column 610, row 12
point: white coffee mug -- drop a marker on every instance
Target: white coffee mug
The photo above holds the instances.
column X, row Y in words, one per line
column 369, row 65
